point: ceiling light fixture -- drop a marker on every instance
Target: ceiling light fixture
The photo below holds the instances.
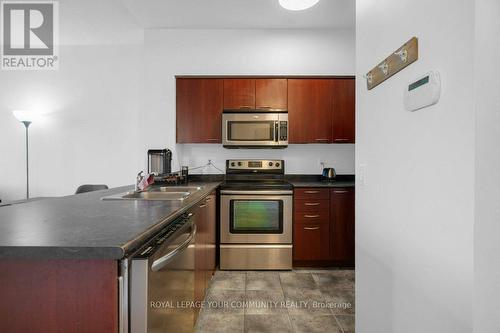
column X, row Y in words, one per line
column 297, row 4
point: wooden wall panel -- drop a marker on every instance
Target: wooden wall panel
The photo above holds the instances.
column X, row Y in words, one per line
column 61, row 296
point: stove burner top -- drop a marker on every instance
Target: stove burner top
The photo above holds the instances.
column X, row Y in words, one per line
column 254, row 175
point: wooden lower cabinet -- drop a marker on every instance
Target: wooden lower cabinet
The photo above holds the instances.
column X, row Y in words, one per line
column 311, row 241
column 342, row 224
column 323, row 227
column 205, row 246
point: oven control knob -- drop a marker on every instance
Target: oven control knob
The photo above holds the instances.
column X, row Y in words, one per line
column 277, row 164
column 232, row 164
column 270, row 163
column 239, row 163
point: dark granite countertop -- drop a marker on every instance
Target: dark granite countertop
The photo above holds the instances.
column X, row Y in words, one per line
column 315, row 181
column 85, row 227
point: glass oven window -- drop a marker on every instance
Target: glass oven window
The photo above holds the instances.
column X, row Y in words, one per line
column 250, row 130
column 256, row 216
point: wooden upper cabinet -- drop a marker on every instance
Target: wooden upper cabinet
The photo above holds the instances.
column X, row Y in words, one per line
column 199, row 110
column 310, row 110
column 343, row 110
column 239, row 93
column 271, row 94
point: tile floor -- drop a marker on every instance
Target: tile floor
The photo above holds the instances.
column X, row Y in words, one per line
column 270, row 301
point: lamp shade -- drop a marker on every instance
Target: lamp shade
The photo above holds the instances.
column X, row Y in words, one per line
column 24, row 115
column 297, row 4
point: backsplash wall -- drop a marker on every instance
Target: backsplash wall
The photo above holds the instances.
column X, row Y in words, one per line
column 299, row 159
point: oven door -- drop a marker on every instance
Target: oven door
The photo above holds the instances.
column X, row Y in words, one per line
column 254, row 130
column 256, row 217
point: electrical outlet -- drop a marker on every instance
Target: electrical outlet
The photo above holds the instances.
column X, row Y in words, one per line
column 361, row 176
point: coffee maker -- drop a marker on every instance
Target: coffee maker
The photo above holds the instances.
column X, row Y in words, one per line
column 160, row 161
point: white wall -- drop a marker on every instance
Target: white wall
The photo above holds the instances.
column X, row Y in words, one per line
column 89, row 133
column 240, row 52
column 415, row 212
column 487, row 226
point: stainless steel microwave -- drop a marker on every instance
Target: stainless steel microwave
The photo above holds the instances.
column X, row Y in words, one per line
column 254, row 129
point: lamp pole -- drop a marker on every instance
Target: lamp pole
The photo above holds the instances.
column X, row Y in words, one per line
column 27, row 125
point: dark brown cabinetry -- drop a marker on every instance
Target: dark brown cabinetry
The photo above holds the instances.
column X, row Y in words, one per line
column 323, row 226
column 310, row 110
column 58, row 295
column 271, row 94
column 343, row 110
column 199, row 110
column 265, row 94
column 342, row 224
column 239, row 94
column 205, row 245
column 311, row 241
column 320, row 110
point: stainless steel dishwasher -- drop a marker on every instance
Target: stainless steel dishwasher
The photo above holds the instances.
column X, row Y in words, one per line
column 162, row 280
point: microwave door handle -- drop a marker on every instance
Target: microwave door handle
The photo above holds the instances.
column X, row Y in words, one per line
column 276, row 131
column 158, row 264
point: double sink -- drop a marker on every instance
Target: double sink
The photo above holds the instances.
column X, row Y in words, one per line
column 170, row 193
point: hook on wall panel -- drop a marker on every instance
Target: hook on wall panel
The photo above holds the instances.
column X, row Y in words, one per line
column 399, row 59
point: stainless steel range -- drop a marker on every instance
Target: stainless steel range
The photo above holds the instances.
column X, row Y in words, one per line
column 256, row 216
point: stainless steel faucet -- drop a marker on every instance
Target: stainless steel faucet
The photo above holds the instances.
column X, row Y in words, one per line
column 140, row 177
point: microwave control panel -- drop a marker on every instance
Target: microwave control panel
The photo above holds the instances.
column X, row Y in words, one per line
column 283, row 131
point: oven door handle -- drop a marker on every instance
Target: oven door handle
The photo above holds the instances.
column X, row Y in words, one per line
column 257, row 192
column 159, row 263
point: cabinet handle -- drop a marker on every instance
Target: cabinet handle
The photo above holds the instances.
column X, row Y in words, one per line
column 322, row 140
column 245, row 107
column 341, row 140
column 311, row 216
column 212, row 139
column 309, row 228
column 203, row 206
column 311, row 192
column 340, row 191
column 208, row 199
column 263, row 107
column 311, row 203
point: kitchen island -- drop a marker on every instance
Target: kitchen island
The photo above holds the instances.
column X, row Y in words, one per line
column 61, row 259
column 83, row 226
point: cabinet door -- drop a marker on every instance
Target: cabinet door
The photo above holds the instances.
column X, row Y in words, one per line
column 239, row 93
column 271, row 94
column 310, row 110
column 342, row 224
column 311, row 241
column 343, row 110
column 211, row 236
column 200, row 254
column 199, row 110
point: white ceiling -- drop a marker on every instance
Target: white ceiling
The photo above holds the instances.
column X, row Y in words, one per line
column 240, row 14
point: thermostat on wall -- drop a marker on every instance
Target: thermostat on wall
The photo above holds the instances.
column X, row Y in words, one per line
column 423, row 91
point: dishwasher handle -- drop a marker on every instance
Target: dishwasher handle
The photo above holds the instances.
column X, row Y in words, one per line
column 159, row 263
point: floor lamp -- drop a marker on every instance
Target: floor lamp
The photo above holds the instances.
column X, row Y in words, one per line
column 26, row 118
